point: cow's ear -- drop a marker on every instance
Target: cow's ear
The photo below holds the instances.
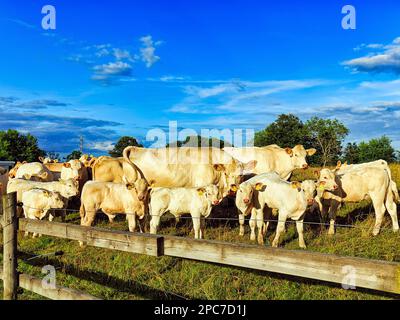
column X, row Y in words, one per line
column 129, row 186
column 317, row 172
column 66, row 165
column 219, row 167
column 55, row 160
column 41, row 159
column 152, row 183
column 234, row 187
column 249, row 166
column 296, row 185
column 289, row 151
column 23, row 162
column 259, row 186
column 201, row 191
column 311, row 151
column 338, row 164
column 46, row 193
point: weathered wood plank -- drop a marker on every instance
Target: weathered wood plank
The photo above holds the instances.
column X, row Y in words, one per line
column 118, row 240
column 34, row 284
column 10, row 231
column 371, row 274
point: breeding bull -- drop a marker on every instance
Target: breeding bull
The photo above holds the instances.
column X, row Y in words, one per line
column 269, row 191
column 188, row 167
column 177, row 201
column 355, row 185
column 273, row 158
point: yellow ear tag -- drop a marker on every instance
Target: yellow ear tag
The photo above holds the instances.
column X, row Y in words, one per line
column 259, row 186
column 321, row 187
column 200, row 192
column 234, row 188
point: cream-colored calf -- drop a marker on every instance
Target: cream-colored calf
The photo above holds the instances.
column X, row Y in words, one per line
column 38, row 202
column 177, row 201
column 269, row 190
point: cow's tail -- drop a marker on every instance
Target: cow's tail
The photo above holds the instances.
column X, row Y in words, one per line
column 395, row 192
column 82, row 212
column 127, row 156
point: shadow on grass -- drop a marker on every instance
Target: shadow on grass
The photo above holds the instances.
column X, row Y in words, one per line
column 131, row 287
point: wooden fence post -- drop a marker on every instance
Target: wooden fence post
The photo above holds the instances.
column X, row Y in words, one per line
column 10, row 229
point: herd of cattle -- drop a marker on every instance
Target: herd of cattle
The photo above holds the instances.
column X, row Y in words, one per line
column 150, row 182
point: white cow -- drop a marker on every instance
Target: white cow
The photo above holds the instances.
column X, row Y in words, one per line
column 273, row 158
column 67, row 188
column 356, row 185
column 38, row 202
column 114, row 198
column 269, row 190
column 196, row 201
column 34, row 171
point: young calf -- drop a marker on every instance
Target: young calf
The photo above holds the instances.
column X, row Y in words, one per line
column 196, row 201
column 38, row 202
column 114, row 198
column 355, row 185
column 269, row 190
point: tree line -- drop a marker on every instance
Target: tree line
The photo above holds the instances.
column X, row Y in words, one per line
column 288, row 130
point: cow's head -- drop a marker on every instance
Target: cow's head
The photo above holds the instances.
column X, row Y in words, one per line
column 72, row 169
column 211, row 193
column 298, row 156
column 140, row 186
column 327, row 180
column 244, row 195
column 309, row 188
column 234, row 171
column 55, row 199
column 70, row 188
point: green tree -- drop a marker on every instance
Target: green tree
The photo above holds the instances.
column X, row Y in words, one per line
column 374, row 149
column 327, row 136
column 15, row 146
column 122, row 143
column 286, row 131
column 76, row 154
column 199, row 141
column 53, row 155
column 351, row 153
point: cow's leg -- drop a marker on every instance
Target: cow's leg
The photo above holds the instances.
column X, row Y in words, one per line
column 299, row 226
column 155, row 220
column 241, row 225
column 202, row 226
column 131, row 221
column 196, row 225
column 252, row 224
column 377, row 201
column 392, row 209
column 332, row 216
column 260, row 225
column 280, row 228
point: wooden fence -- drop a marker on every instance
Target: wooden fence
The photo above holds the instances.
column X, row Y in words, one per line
column 371, row 274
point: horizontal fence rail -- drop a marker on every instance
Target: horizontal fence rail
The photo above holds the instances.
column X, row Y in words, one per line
column 34, row 284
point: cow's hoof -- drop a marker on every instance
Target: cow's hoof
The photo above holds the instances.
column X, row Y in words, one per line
column 375, row 232
column 274, row 244
column 395, row 230
column 81, row 244
column 253, row 238
column 331, row 232
column 303, row 246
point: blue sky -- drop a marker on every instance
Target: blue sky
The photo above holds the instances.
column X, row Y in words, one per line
column 115, row 68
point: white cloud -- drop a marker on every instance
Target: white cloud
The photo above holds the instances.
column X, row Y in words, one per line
column 147, row 52
column 387, row 60
column 112, row 71
column 101, row 146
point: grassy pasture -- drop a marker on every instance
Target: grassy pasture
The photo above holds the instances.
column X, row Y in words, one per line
column 116, row 275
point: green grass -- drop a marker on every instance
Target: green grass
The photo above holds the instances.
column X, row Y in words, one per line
column 112, row 274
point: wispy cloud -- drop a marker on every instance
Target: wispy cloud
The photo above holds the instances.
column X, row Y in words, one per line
column 22, row 23
column 110, row 72
column 386, row 60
